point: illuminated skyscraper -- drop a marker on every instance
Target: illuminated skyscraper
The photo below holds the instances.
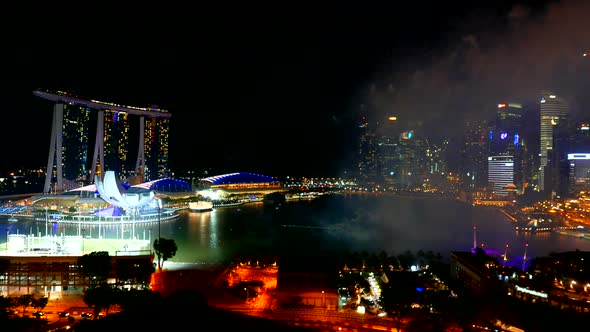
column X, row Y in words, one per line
column 154, row 159
column 69, row 148
column 500, row 174
column 506, row 139
column 553, row 111
column 75, row 128
column 116, row 143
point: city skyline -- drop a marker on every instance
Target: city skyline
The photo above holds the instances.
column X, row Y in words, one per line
column 285, row 101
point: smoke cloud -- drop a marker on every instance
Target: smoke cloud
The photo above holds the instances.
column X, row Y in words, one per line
column 511, row 58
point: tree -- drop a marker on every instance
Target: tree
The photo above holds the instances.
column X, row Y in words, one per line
column 396, row 300
column 165, row 249
column 25, row 301
column 100, row 297
column 40, row 303
column 134, row 271
column 95, row 267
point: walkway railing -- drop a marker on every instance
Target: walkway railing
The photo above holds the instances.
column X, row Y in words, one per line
column 165, row 215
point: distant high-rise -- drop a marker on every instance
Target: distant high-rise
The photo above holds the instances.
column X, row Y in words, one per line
column 69, row 149
column 506, row 139
column 500, row 174
column 367, row 149
column 474, row 153
column 387, row 144
column 579, row 159
column 554, row 110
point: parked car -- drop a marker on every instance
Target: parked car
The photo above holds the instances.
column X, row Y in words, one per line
column 64, row 314
column 38, row 314
column 86, row 315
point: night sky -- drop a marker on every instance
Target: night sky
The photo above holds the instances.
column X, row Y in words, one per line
column 275, row 90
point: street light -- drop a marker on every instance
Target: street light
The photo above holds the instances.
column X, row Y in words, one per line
column 46, row 207
column 159, row 213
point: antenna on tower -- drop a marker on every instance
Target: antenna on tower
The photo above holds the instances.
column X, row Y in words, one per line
column 526, row 245
column 505, row 254
column 474, row 238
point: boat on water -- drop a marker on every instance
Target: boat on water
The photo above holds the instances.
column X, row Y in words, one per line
column 200, row 206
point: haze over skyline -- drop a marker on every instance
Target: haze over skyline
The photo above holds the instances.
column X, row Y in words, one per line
column 279, row 94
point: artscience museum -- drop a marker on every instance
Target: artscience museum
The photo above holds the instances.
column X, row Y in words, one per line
column 111, row 200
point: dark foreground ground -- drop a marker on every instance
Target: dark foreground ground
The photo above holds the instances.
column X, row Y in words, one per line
column 190, row 300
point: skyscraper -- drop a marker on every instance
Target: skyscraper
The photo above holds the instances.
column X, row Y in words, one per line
column 116, row 142
column 474, row 153
column 155, row 148
column 387, row 152
column 68, row 161
column 554, row 110
column 506, row 139
column 500, row 174
column 367, row 150
column 74, row 146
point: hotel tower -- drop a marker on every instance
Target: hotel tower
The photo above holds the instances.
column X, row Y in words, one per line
column 76, row 119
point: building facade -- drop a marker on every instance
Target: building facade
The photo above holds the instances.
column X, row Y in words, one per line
column 56, row 276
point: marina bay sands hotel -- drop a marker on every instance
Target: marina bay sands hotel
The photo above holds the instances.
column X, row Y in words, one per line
column 76, row 119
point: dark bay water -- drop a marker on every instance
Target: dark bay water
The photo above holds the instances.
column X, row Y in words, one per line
column 336, row 222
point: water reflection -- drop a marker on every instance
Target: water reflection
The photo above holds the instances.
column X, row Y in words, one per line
column 337, row 222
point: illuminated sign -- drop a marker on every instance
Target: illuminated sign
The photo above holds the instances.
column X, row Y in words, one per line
column 501, row 105
column 516, row 139
column 503, row 135
column 491, row 135
column 552, row 96
column 584, row 127
column 392, row 118
column 407, row 134
column 542, row 100
column 515, row 105
column 578, row 156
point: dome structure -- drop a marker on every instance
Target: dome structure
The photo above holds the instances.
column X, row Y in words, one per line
column 242, row 183
column 239, row 178
column 163, row 186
